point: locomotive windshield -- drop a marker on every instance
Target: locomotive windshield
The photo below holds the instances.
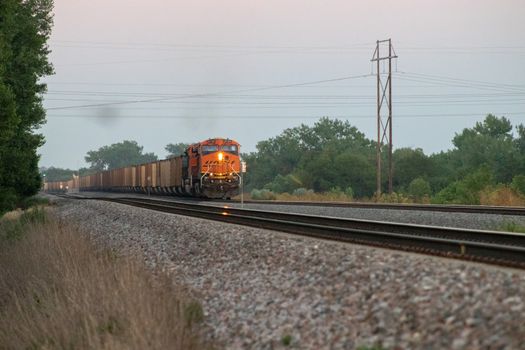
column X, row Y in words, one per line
column 209, row 149
column 230, row 148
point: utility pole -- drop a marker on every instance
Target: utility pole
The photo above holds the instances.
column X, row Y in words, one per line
column 384, row 97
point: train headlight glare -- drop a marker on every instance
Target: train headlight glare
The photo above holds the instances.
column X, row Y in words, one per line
column 221, row 155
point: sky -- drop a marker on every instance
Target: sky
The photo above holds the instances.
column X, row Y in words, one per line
column 168, row 71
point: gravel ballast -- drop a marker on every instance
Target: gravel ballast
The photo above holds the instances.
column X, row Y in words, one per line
column 261, row 288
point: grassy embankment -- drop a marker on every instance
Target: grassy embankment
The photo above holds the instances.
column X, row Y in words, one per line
column 57, row 290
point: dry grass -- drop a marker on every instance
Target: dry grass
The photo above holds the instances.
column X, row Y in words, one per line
column 501, row 195
column 58, row 291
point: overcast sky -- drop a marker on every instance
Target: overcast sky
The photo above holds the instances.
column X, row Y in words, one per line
column 202, row 68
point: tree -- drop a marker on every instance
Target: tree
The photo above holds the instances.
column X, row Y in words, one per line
column 410, row 164
column 118, row 155
column 176, row 149
column 25, row 27
column 57, row 174
column 489, row 144
column 419, row 188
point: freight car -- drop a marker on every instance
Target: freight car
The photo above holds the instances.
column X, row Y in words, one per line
column 209, row 169
column 56, row 186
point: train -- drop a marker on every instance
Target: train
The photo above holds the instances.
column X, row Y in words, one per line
column 207, row 169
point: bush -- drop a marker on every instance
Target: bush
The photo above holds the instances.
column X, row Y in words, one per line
column 419, row 188
column 349, row 192
column 282, row 184
column 300, row 192
column 263, row 194
column 518, row 184
column 466, row 191
column 393, row 198
column 12, row 229
column 8, row 200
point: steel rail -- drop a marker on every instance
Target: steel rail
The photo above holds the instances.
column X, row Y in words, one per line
column 477, row 209
column 492, row 247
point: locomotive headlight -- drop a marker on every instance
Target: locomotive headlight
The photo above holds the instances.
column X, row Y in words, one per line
column 220, row 156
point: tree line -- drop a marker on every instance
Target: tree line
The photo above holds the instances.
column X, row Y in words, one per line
column 334, row 156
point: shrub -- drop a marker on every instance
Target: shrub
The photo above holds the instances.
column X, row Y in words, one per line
column 8, row 200
column 393, row 198
column 282, row 184
column 286, row 340
column 419, row 188
column 466, row 191
column 300, row 192
column 518, row 184
column 263, row 194
column 349, row 192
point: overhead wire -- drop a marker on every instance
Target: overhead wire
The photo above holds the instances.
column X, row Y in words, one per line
column 213, row 94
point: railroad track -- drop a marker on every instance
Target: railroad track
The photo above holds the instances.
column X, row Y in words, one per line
column 478, row 209
column 507, row 249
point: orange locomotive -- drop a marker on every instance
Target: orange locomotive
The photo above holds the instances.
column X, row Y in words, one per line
column 213, row 170
column 207, row 169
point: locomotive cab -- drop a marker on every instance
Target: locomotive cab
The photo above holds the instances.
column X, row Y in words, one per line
column 215, row 168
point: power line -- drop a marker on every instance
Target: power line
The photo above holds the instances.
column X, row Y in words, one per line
column 370, row 116
column 214, row 94
column 464, row 82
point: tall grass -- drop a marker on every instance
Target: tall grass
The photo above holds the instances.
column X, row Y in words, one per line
column 58, row 291
column 501, row 195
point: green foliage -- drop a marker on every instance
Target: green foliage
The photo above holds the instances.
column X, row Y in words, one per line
column 57, row 174
column 349, row 192
column 419, row 188
column 330, row 153
column 25, row 27
column 118, row 155
column 13, row 229
column 34, row 201
column 488, row 144
column 263, row 194
column 410, row 164
column 193, row 313
column 518, row 184
column 176, row 149
column 286, row 340
column 8, row 200
column 513, row 227
column 282, row 184
column 333, row 154
column 466, row 191
column 302, row 192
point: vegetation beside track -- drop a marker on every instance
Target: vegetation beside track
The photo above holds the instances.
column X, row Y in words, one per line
column 333, row 160
column 57, row 290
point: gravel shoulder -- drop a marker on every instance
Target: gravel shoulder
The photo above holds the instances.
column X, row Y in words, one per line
column 432, row 218
column 257, row 287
